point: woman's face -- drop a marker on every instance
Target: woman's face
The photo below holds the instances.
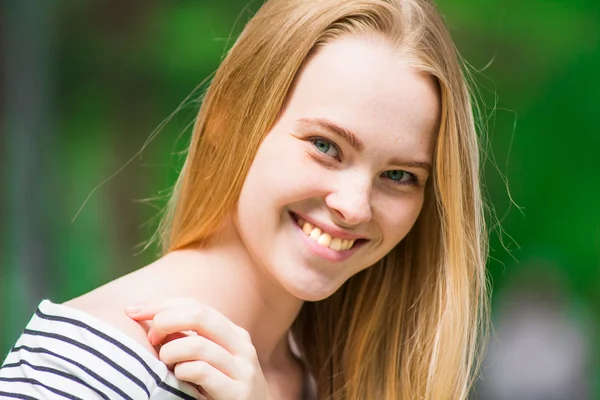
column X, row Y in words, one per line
column 345, row 165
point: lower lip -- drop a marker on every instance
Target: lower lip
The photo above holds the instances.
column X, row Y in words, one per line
column 322, row 251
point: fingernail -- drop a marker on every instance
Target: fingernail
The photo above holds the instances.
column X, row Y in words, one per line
column 133, row 309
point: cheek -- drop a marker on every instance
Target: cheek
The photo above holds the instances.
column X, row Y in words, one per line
column 398, row 217
column 255, row 199
column 280, row 175
column 284, row 173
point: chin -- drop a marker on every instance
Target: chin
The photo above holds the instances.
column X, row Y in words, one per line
column 312, row 286
column 310, row 295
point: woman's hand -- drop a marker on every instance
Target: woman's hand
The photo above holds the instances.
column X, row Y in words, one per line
column 216, row 355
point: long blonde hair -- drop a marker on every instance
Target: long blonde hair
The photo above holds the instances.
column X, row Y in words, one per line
column 409, row 327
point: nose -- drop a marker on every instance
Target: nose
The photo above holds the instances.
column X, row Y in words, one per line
column 351, row 201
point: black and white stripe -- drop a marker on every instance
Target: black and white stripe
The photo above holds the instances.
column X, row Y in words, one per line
column 57, row 372
column 82, row 367
column 66, row 354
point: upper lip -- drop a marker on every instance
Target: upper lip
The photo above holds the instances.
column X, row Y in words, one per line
column 335, row 232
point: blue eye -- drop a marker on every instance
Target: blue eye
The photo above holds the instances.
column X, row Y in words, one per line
column 400, row 177
column 326, row 147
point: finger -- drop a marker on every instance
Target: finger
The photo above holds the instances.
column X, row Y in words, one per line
column 198, row 348
column 170, row 337
column 147, row 310
column 218, row 385
column 205, row 321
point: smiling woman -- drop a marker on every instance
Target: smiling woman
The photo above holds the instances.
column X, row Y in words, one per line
column 325, row 238
column 354, row 119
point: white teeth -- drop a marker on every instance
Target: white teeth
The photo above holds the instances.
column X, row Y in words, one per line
column 307, row 228
column 336, row 244
column 325, row 239
column 315, row 234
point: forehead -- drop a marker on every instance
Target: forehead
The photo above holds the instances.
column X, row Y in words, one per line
column 365, row 85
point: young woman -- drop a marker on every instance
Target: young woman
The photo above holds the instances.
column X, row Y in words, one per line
column 325, row 238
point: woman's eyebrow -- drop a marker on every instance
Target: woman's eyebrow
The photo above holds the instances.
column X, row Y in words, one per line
column 424, row 165
column 334, row 128
column 355, row 142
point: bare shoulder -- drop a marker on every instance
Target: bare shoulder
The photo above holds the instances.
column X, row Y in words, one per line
column 157, row 280
column 108, row 302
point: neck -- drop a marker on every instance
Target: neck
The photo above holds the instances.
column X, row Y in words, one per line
column 225, row 277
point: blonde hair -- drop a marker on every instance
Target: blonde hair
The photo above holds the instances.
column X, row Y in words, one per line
column 410, row 326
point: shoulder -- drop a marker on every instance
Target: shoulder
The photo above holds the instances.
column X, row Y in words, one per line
column 68, row 352
column 108, row 304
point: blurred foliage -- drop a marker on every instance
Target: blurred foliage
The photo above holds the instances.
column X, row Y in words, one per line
column 115, row 70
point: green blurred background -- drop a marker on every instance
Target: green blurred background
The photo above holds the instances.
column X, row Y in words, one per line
column 86, row 82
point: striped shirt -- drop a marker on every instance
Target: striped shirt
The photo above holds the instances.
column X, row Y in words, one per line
column 65, row 353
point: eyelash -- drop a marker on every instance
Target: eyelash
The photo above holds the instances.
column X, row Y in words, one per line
column 413, row 181
column 315, row 139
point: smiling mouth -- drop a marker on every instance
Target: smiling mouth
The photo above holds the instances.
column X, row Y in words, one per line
column 325, row 239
